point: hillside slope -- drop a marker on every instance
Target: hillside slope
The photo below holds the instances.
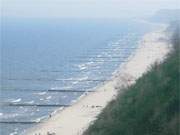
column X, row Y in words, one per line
column 150, row 106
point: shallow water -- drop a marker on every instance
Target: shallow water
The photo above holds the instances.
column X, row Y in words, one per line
column 40, row 57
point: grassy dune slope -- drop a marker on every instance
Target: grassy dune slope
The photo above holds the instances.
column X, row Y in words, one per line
column 149, row 107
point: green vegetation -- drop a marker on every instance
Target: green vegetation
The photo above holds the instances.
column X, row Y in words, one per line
column 149, row 107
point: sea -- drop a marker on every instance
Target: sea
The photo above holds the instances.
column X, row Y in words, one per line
column 48, row 64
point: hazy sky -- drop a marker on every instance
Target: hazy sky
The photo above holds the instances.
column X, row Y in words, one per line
column 83, row 8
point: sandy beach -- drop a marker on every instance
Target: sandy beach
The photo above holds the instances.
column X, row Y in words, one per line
column 75, row 119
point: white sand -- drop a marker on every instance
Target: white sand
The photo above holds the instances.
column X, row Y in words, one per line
column 75, row 119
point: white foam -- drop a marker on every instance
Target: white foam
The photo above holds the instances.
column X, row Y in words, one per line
column 90, row 63
column 54, row 88
column 75, row 82
column 65, row 87
column 14, row 133
column 16, row 100
column 116, row 43
column 57, row 110
column 64, row 96
column 48, row 97
column 41, row 93
column 73, row 101
column 83, row 78
column 6, row 116
column 1, row 114
column 79, row 78
column 37, row 110
column 82, row 66
column 30, row 102
column 39, row 119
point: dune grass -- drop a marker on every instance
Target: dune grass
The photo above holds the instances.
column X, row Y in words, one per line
column 150, row 106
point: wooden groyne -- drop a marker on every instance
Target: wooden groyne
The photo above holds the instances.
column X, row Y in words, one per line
column 81, row 60
column 34, row 105
column 19, row 122
column 64, row 80
column 55, row 90
column 61, row 90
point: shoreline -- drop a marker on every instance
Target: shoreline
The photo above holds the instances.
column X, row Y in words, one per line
column 75, row 119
